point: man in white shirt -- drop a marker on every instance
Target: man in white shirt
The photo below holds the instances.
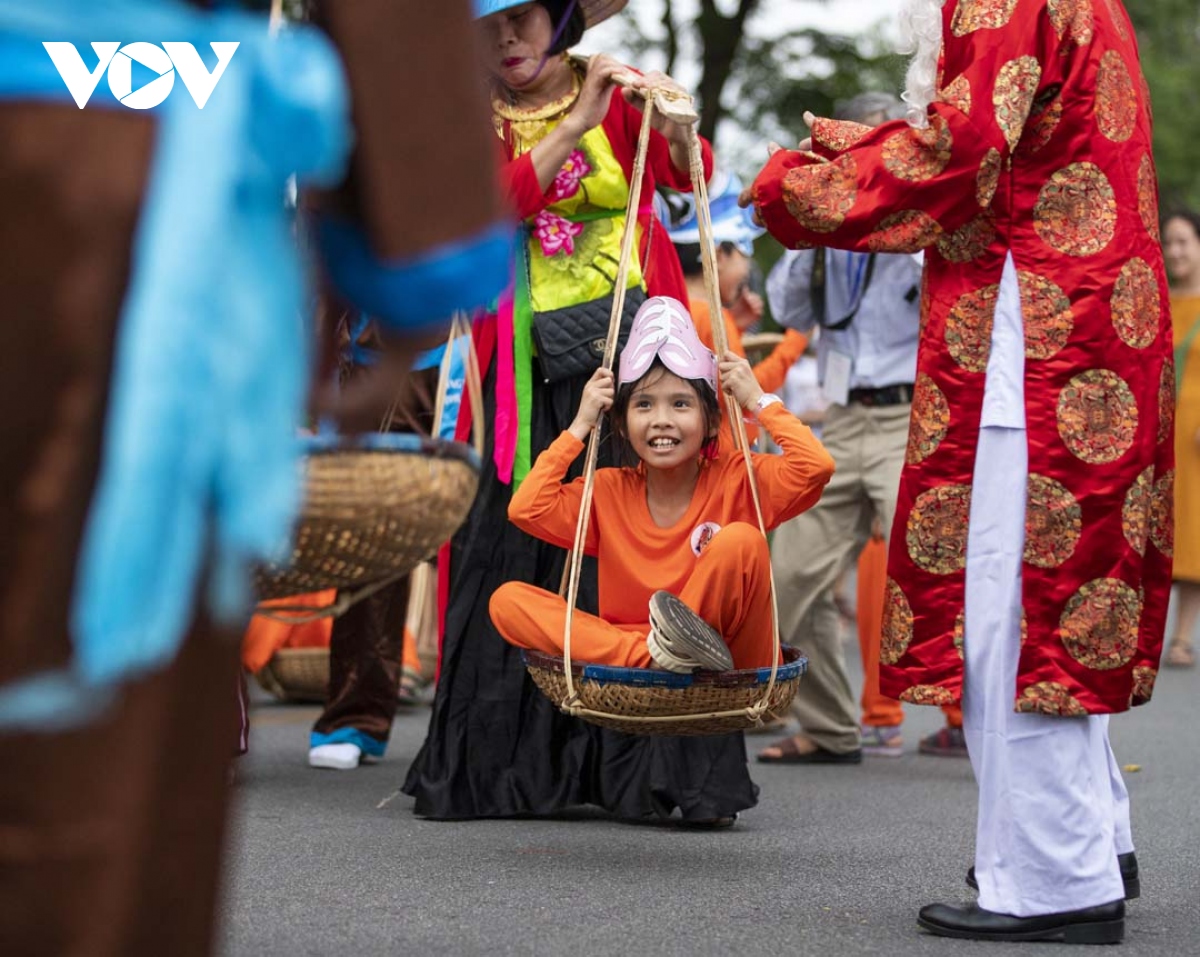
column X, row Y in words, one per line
column 867, row 308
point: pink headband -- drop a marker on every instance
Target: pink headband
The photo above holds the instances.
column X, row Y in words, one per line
column 663, row 328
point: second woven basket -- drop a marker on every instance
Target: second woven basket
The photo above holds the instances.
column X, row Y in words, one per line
column 372, row 511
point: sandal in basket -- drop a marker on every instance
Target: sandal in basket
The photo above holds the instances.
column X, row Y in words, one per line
column 682, row 641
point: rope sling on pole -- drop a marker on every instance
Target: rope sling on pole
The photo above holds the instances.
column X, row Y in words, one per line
column 678, row 108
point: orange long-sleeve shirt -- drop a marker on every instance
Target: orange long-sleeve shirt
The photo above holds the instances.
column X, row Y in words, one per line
column 636, row 557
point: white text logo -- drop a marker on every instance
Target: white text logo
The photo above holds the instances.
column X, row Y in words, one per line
column 159, row 63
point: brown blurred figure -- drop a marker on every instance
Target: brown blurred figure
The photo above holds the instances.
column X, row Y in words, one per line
column 111, row 831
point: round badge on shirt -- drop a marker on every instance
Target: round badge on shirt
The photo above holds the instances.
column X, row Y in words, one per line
column 703, row 534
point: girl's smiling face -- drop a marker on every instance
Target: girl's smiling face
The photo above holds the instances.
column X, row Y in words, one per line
column 515, row 41
column 665, row 421
column 1181, row 251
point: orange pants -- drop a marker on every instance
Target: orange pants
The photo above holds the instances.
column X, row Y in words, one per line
column 730, row 589
column 878, row 711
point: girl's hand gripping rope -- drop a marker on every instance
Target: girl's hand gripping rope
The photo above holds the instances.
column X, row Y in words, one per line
column 597, row 399
column 737, row 380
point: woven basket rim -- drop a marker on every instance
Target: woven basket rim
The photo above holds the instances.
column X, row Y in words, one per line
column 794, row 665
column 300, row 652
column 391, row 443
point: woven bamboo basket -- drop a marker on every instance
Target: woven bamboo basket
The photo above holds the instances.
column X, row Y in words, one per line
column 296, row 674
column 638, row 692
column 373, row 511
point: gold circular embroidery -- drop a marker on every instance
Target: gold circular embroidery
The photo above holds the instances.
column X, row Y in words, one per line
column 1147, row 185
column 1135, row 513
column 1012, row 97
column 937, row 529
column 973, row 15
column 1040, row 127
column 1136, row 304
column 1076, row 211
column 819, row 196
column 969, row 328
column 1049, row 320
column 988, row 178
column 1166, row 400
column 1073, row 16
column 1053, row 522
column 929, row 422
column 897, row 625
column 1050, row 697
column 1099, row 626
column 927, row 694
column 839, row 135
column 958, row 95
column 904, row 232
column 970, row 241
column 1143, row 684
column 917, row 155
column 1162, row 513
column 1097, row 416
column 1116, row 98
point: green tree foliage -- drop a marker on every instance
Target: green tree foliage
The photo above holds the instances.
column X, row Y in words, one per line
column 1169, row 42
column 809, row 70
column 762, row 80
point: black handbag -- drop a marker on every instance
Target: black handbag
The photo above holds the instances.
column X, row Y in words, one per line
column 570, row 341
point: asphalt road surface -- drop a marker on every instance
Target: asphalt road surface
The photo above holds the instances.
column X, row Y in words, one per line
column 833, row 860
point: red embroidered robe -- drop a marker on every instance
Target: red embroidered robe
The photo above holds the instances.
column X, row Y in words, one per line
column 1038, row 146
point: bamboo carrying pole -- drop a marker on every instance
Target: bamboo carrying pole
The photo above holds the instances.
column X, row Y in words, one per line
column 672, row 104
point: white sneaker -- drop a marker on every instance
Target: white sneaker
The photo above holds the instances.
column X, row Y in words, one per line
column 338, row 757
column 682, row 641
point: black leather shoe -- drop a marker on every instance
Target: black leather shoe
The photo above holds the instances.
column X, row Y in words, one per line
column 1091, row 925
column 1129, row 874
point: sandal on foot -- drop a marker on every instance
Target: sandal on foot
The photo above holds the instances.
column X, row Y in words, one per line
column 682, row 641
column 410, row 694
column 1179, row 654
column 945, row 742
column 791, row 753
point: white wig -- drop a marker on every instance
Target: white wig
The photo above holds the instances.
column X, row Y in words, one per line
column 921, row 30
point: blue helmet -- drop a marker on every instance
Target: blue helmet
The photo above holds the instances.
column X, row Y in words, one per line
column 730, row 223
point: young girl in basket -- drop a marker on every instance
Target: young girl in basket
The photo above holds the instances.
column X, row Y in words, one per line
column 684, row 570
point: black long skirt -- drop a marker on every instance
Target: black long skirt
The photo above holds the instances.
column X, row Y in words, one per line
column 496, row 747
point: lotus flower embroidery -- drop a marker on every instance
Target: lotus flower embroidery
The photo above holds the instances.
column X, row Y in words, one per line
column 555, row 234
column 566, row 183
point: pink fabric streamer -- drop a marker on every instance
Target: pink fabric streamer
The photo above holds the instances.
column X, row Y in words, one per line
column 505, row 450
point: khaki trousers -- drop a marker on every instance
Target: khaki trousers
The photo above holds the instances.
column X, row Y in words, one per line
column 812, row 550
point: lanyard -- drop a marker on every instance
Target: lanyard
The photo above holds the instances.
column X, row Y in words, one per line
column 866, row 269
column 856, row 268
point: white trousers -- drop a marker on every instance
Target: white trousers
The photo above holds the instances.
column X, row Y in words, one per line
column 1053, row 810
